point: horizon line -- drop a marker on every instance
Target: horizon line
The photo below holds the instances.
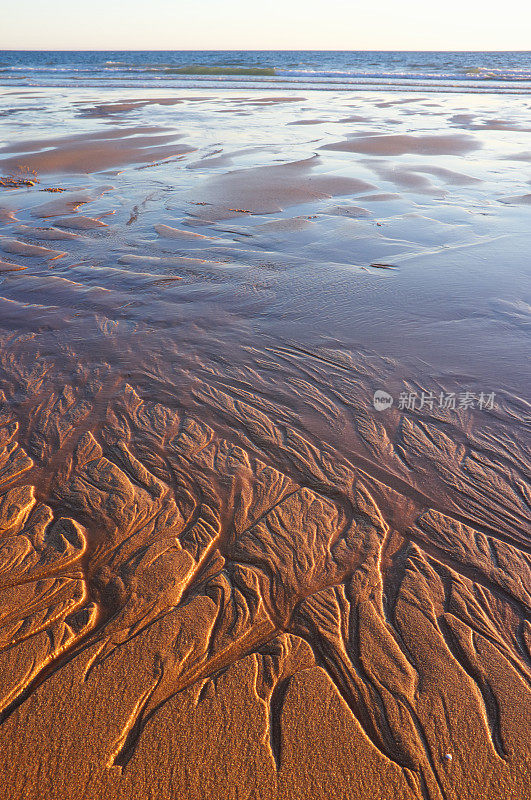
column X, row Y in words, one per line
column 250, row 50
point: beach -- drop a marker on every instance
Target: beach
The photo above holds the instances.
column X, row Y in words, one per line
column 264, row 444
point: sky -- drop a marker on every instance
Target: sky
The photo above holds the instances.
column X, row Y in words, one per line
column 267, row 25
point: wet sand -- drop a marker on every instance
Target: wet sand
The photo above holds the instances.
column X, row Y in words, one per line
column 224, row 571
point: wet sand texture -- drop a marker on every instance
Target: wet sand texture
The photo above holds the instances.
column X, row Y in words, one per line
column 80, row 153
column 177, row 578
column 223, row 574
column 397, row 145
column 266, row 190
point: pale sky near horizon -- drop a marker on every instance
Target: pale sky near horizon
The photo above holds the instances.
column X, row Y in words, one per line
column 267, row 25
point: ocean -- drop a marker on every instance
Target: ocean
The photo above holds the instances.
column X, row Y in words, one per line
column 490, row 72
